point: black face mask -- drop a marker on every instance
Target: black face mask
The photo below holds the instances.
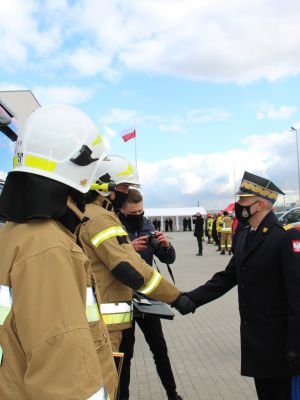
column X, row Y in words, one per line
column 243, row 213
column 135, row 223
column 119, row 200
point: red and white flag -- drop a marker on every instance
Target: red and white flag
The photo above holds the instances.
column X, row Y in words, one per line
column 128, row 134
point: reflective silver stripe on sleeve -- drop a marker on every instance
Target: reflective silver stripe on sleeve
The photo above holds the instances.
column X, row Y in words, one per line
column 100, row 395
column 5, row 302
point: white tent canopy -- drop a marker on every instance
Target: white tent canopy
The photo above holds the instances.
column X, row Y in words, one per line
column 178, row 213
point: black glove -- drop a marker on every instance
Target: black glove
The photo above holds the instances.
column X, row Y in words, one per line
column 184, row 304
column 294, row 359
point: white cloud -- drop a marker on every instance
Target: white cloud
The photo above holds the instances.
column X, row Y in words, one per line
column 213, row 178
column 170, row 123
column 89, row 62
column 270, row 111
column 239, row 41
column 122, row 116
column 3, row 174
column 62, row 94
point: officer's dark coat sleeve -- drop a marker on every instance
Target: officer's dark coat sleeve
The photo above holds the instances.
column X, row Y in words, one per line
column 290, row 261
column 218, row 285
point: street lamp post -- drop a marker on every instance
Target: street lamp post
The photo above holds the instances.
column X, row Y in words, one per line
column 298, row 167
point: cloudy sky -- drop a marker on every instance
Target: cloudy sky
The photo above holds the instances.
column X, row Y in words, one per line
column 211, row 86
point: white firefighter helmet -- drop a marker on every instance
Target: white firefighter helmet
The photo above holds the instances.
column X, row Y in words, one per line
column 60, row 142
column 116, row 169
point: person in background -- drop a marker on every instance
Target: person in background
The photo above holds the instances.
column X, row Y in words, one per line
column 214, row 231
column 209, row 228
column 226, row 233
column 198, row 232
column 167, row 225
column 266, row 268
column 138, row 227
column 219, row 225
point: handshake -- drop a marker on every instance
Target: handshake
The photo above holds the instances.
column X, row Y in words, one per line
column 184, row 304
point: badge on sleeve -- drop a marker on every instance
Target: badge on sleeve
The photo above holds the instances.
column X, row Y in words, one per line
column 296, row 246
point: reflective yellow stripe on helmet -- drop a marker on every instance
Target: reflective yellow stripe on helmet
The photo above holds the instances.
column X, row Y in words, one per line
column 5, row 302
column 127, row 171
column 108, row 233
column 37, row 162
column 152, row 284
column 97, row 140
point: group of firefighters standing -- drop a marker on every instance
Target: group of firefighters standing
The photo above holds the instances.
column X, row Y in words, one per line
column 218, row 229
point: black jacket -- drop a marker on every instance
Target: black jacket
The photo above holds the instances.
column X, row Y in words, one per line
column 267, row 273
column 199, row 222
column 164, row 254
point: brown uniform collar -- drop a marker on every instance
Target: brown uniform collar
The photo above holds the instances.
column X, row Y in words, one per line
column 104, row 202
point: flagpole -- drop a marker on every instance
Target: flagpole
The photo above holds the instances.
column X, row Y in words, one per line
column 135, row 147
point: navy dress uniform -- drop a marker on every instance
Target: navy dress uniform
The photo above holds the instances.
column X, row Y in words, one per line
column 266, row 270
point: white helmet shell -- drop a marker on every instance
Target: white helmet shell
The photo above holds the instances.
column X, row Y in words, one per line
column 60, row 142
column 116, row 169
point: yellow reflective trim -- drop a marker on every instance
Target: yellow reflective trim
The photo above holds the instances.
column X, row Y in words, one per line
column 92, row 312
column 15, row 162
column 4, row 311
column 40, row 163
column 97, row 140
column 110, row 319
column 127, row 171
column 152, row 284
column 288, row 227
column 259, row 190
column 108, row 233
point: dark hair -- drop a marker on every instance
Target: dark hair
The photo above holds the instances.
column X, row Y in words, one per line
column 225, row 213
column 134, row 196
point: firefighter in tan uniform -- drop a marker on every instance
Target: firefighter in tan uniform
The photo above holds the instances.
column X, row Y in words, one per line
column 53, row 342
column 118, row 268
column 226, row 233
column 209, row 227
column 219, row 225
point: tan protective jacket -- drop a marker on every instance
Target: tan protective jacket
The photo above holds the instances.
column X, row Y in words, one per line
column 101, row 238
column 227, row 224
column 48, row 349
column 219, row 223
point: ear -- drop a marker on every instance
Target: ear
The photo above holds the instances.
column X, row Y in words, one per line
column 112, row 196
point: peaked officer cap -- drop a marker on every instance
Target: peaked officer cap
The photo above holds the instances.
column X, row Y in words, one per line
column 254, row 185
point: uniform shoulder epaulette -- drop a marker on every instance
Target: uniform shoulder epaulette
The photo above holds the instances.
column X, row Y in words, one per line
column 287, row 227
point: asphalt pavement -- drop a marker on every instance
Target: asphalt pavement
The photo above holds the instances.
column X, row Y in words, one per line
column 204, row 347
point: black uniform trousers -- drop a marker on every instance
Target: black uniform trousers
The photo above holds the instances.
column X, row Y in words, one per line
column 200, row 244
column 273, row 388
column 153, row 333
